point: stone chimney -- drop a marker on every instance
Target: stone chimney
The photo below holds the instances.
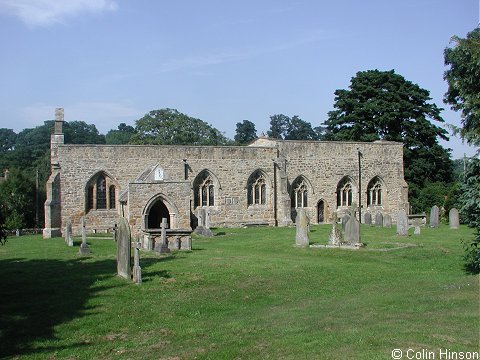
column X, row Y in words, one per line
column 57, row 138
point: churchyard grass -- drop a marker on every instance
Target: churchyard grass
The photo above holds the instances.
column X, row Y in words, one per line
column 242, row 294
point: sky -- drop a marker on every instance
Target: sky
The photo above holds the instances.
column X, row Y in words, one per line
column 112, row 61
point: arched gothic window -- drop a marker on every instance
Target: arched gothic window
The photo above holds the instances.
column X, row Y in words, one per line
column 111, row 197
column 257, row 189
column 344, row 193
column 374, row 193
column 100, row 193
column 204, row 190
column 300, row 193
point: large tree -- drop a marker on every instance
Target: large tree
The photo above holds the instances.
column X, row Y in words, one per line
column 287, row 128
column 245, row 132
column 463, row 78
column 383, row 105
column 120, row 136
column 171, row 127
column 462, row 75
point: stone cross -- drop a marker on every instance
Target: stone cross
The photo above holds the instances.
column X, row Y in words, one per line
column 301, row 223
column 453, row 219
column 137, row 270
column 124, row 245
column 335, row 237
column 402, row 223
column 163, row 248
column 434, row 214
column 84, row 249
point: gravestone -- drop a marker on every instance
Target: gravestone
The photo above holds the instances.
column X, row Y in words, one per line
column 68, row 233
column 124, row 248
column 387, row 221
column 162, row 248
column 84, row 249
column 352, row 231
column 434, row 214
column 345, row 219
column 368, row 218
column 453, row 219
column 379, row 219
column 177, row 243
column 203, row 227
column 137, row 270
column 301, row 223
column 335, row 237
column 402, row 223
column 416, row 228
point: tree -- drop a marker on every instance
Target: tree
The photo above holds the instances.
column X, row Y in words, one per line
column 3, row 230
column 245, row 132
column 284, row 127
column 171, row 127
column 17, row 196
column 120, row 136
column 462, row 76
column 79, row 132
column 382, row 105
column 463, row 92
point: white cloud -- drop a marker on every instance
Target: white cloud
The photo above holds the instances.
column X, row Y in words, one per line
column 49, row 12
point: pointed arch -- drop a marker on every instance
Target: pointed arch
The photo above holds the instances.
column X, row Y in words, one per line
column 299, row 191
column 101, row 192
column 258, row 187
column 205, row 189
column 345, row 192
column 376, row 191
column 158, row 207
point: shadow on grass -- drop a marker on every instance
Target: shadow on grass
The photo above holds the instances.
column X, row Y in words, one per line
column 37, row 295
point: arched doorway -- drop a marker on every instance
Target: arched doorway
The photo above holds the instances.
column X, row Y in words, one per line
column 157, row 212
column 321, row 212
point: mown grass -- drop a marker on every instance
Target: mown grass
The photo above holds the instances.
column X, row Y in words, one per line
column 242, row 294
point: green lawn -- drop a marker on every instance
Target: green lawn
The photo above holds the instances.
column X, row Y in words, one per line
column 243, row 294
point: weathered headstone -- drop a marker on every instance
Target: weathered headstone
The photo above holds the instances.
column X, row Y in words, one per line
column 162, row 248
column 84, row 249
column 379, row 219
column 416, row 229
column 68, row 233
column 335, row 237
column 352, row 231
column 434, row 214
column 203, row 227
column 345, row 219
column 368, row 219
column 124, row 248
column 186, row 244
column 387, row 221
column 176, row 243
column 453, row 219
column 402, row 223
column 137, row 270
column 301, row 223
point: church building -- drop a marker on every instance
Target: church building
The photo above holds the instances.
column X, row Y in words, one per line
column 260, row 184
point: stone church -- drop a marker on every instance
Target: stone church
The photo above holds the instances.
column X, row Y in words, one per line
column 260, row 184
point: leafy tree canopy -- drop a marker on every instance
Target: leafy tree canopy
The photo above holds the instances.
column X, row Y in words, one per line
column 245, row 132
column 462, row 76
column 383, row 105
column 171, row 127
column 79, row 132
column 284, row 127
column 120, row 136
column 16, row 195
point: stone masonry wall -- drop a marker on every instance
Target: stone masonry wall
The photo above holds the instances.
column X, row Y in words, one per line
column 323, row 164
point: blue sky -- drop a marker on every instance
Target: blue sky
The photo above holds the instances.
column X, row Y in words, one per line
column 112, row 61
